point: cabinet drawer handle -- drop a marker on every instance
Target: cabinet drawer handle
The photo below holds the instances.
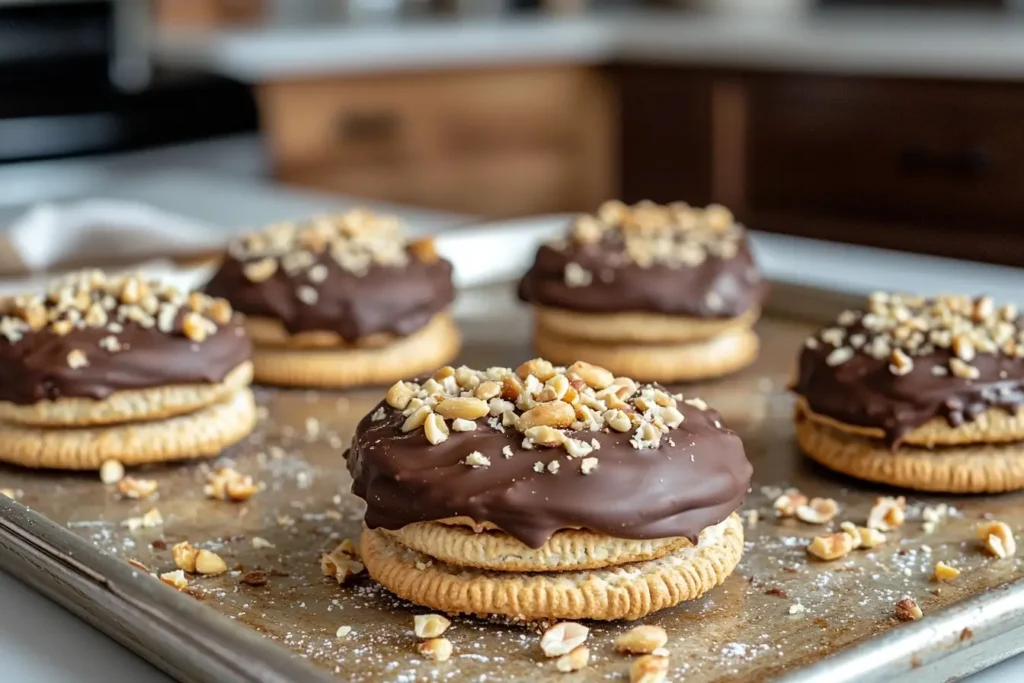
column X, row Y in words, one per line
column 368, row 126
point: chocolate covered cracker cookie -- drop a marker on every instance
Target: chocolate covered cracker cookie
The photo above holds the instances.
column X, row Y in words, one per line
column 340, row 301
column 922, row 393
column 547, row 493
column 655, row 292
column 120, row 368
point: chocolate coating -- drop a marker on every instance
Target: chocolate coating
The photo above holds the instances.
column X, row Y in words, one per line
column 686, row 485
column 864, row 392
column 395, row 300
column 716, row 288
column 35, row 368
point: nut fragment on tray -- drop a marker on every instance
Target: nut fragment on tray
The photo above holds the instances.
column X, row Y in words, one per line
column 552, row 449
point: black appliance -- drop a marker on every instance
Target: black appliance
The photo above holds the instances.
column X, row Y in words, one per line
column 75, row 79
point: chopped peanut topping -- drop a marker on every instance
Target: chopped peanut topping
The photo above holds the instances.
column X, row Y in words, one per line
column 899, row 329
column 544, row 403
column 90, row 299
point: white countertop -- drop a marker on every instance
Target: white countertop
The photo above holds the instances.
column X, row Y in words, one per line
column 882, row 42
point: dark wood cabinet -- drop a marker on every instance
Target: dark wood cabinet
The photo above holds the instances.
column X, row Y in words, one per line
column 665, row 134
column 920, row 165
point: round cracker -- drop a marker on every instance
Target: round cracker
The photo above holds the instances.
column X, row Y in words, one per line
column 423, row 351
column 637, row 328
column 203, row 433
column 725, row 354
column 567, row 550
column 989, row 468
column 629, row 591
column 993, row 426
column 134, row 405
column 271, row 332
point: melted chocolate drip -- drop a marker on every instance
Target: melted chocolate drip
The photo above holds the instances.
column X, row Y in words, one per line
column 863, row 392
column 686, row 485
column 35, row 368
column 717, row 288
column 387, row 299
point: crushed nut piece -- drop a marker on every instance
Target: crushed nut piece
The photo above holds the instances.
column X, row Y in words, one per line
column 435, row 429
column 563, row 638
column 477, row 459
column 574, row 661
column 461, row 425
column 111, row 471
column 438, row 649
column 175, row 579
column 863, row 537
column 184, row 556
column 945, row 572
column 831, row 547
column 77, row 359
column 641, row 640
column 588, row 465
column 259, row 543
column 342, row 563
column 649, row 669
column 137, row 489
column 210, row 563
column 343, row 631
column 430, row 625
column 887, row 513
column 907, row 610
column 997, row 539
column 818, row 511
column 787, row 504
column 228, row 483
column 149, row 520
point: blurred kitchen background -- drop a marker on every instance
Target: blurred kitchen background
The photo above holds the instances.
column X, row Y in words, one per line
column 889, row 123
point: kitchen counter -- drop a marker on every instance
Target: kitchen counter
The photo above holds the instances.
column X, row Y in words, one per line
column 875, row 42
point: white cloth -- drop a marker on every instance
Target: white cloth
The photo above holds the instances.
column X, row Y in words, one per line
column 106, row 231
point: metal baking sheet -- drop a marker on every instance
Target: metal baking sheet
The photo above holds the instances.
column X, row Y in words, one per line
column 66, row 538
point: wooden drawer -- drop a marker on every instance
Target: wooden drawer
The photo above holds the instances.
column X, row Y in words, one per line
column 934, row 153
column 390, row 118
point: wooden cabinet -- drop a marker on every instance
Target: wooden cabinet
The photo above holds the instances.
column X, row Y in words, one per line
column 927, row 166
column 665, row 135
column 489, row 142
